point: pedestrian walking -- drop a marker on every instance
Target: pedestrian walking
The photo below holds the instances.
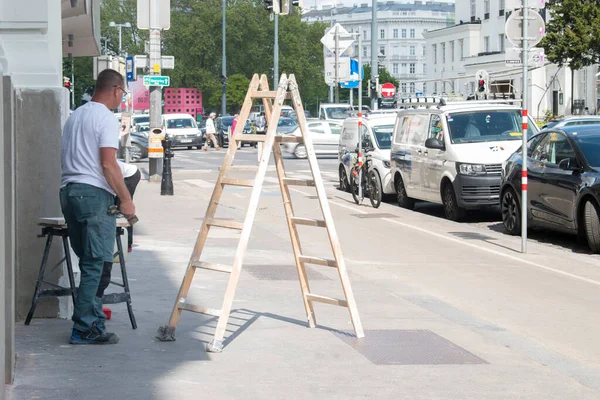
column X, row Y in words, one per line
column 90, row 180
column 233, row 125
column 210, row 132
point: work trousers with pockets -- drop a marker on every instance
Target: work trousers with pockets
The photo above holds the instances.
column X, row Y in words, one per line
column 92, row 235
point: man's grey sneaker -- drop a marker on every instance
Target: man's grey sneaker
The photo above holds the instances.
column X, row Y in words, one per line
column 93, row 336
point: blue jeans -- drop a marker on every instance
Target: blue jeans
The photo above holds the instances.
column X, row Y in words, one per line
column 92, row 234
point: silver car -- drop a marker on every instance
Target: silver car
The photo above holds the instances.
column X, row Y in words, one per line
column 325, row 136
column 573, row 121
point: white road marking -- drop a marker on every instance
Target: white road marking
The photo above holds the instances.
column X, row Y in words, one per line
column 200, row 183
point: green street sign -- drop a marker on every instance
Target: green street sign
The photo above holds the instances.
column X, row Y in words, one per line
column 156, row 80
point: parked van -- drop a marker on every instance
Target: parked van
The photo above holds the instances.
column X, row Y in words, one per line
column 182, row 130
column 376, row 134
column 328, row 112
column 452, row 153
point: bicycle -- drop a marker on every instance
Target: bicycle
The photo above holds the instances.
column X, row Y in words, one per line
column 370, row 183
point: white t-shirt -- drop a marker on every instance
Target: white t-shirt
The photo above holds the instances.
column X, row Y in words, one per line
column 89, row 128
column 128, row 170
column 210, row 126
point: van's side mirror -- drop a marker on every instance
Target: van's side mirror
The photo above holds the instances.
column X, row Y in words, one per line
column 433, row 143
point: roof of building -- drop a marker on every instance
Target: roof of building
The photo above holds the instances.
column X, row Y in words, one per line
column 388, row 6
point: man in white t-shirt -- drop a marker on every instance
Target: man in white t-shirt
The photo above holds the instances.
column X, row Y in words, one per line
column 210, row 132
column 91, row 178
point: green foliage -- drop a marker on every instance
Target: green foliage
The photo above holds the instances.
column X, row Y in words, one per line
column 573, row 33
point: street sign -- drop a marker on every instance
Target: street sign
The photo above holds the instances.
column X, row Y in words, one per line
column 343, row 71
column 345, row 39
column 513, row 57
column 536, row 28
column 354, row 80
column 156, row 80
column 168, row 62
column 388, row 90
column 130, row 69
column 162, row 11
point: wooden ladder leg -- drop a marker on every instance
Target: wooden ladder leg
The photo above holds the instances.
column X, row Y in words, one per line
column 294, row 237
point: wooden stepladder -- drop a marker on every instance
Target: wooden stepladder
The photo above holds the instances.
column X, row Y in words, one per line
column 272, row 101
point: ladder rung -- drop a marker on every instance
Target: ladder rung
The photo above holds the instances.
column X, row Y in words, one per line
column 200, row 309
column 212, row 266
column 264, row 94
column 328, row 300
column 237, row 182
column 251, row 138
column 318, row 261
column 299, row 182
column 309, row 222
column 289, row 139
column 224, row 223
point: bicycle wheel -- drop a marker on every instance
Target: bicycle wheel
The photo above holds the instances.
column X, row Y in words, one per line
column 354, row 189
column 375, row 191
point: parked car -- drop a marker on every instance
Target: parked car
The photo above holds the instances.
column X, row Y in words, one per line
column 575, row 120
column 139, row 141
column 376, row 135
column 182, row 130
column 563, row 179
column 335, row 111
column 286, row 125
column 222, row 124
column 452, row 154
column 325, row 137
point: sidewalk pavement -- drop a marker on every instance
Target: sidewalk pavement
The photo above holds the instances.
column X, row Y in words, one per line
column 417, row 346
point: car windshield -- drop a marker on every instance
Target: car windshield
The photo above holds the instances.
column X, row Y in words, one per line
column 590, row 146
column 338, row 112
column 227, row 122
column 286, row 122
column 485, row 126
column 383, row 136
column 181, row 123
column 145, row 119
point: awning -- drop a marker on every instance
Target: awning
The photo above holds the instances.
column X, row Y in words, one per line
column 80, row 27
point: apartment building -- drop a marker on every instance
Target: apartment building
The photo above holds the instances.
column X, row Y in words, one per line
column 401, row 45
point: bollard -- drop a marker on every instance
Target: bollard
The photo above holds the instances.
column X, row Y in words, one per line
column 166, row 185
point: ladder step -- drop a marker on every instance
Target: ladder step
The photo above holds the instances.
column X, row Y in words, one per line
column 237, row 182
column 309, row 222
column 289, row 139
column 264, row 94
column 251, row 138
column 212, row 266
column 200, row 309
column 327, row 300
column 224, row 223
column 318, row 261
column 299, row 182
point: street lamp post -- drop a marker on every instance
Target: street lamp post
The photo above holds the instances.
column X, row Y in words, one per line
column 126, row 25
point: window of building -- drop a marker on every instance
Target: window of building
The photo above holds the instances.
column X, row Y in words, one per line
column 500, row 8
column 413, row 68
column 403, row 68
column 364, row 34
column 424, row 69
column 382, row 50
column 435, row 87
column 424, row 51
column 413, row 50
column 412, row 87
column 395, row 69
column 473, row 10
column 452, row 51
column 486, row 44
column 403, row 87
column 403, row 33
column 461, row 45
column 501, row 42
column 381, row 34
column 443, row 51
column 486, row 9
column 412, row 33
column 424, row 90
column 395, row 34
column 365, row 52
column 434, row 53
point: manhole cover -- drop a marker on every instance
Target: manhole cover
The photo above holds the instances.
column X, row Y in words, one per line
column 408, row 347
column 281, row 273
column 376, row 215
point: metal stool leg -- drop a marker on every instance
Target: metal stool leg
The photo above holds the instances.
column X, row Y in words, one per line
column 69, row 268
column 125, row 280
column 39, row 280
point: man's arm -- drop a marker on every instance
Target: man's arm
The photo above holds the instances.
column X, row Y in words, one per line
column 114, row 177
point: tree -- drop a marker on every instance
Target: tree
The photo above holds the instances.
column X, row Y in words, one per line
column 573, row 34
column 237, row 86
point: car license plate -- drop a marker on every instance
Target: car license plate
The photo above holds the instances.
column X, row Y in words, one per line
column 186, row 140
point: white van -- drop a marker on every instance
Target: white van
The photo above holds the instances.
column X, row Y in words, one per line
column 452, row 153
column 376, row 134
column 182, row 130
column 329, row 112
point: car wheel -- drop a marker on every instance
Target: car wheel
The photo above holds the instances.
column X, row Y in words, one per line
column 511, row 213
column 403, row 200
column 451, row 209
column 135, row 152
column 592, row 225
column 190, row 147
column 198, row 147
column 300, row 151
column 344, row 185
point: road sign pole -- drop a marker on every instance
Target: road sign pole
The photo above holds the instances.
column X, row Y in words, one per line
column 155, row 164
column 374, row 63
column 360, row 79
column 337, row 64
column 525, row 60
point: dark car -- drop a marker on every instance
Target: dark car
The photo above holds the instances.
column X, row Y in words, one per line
column 222, row 124
column 286, row 125
column 139, row 141
column 563, row 179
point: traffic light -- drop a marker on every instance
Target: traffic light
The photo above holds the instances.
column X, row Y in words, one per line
column 273, row 6
column 67, row 83
column 223, row 79
column 481, row 86
column 481, row 78
column 372, row 88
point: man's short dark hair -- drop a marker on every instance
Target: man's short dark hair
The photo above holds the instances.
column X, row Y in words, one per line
column 107, row 79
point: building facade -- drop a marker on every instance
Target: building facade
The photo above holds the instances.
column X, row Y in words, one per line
column 401, row 45
column 478, row 42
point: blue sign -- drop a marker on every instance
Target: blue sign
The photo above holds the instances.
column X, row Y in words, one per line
column 129, row 69
column 353, row 83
